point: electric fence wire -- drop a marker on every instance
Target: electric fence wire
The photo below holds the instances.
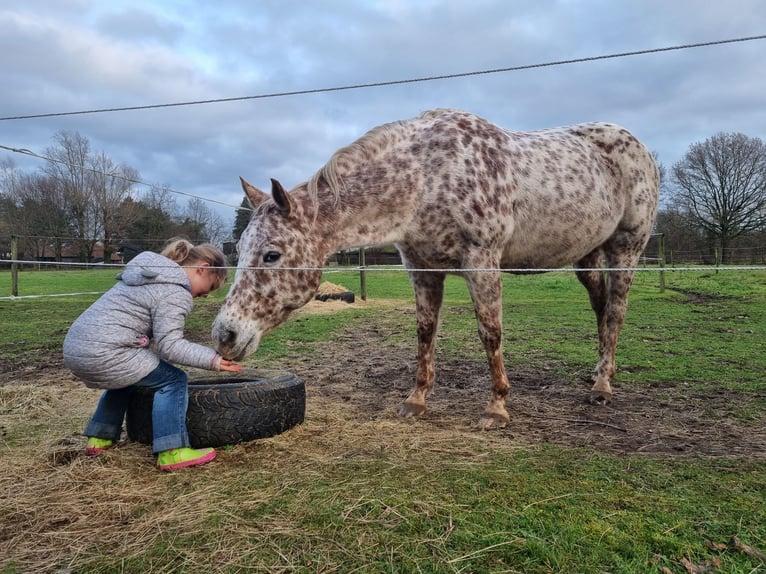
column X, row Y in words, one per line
column 383, row 268
column 393, row 82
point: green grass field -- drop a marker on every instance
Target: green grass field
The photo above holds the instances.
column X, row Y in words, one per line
column 389, row 495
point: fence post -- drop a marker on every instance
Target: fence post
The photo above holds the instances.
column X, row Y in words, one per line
column 362, row 275
column 661, row 257
column 14, row 266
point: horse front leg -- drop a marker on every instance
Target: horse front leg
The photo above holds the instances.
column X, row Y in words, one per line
column 429, row 293
column 486, row 291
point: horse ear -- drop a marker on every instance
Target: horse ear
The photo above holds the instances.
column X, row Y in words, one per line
column 255, row 195
column 281, row 197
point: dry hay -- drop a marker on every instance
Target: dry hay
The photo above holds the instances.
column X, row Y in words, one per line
column 327, row 288
column 63, row 508
column 329, row 305
column 316, row 307
column 25, row 400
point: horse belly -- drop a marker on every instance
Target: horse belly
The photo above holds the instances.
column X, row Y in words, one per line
column 559, row 220
column 561, row 243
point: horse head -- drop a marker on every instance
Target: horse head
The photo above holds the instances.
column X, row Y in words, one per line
column 279, row 270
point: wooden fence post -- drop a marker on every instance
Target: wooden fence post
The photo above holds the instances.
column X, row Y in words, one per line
column 14, row 266
column 661, row 257
column 362, row 275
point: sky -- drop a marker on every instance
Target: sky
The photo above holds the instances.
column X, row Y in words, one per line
column 59, row 56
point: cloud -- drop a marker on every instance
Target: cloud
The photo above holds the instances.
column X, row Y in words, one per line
column 79, row 55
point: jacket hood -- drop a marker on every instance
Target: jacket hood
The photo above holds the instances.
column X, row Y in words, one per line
column 149, row 267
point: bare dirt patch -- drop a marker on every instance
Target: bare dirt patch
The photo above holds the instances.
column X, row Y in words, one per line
column 374, row 377
column 370, row 376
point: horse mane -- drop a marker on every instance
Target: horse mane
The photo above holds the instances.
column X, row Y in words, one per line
column 366, row 147
column 331, row 172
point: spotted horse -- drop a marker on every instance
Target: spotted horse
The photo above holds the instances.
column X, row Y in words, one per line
column 455, row 194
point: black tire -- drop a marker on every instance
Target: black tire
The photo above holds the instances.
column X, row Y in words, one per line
column 347, row 296
column 227, row 410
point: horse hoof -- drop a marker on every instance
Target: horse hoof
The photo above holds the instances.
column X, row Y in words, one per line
column 600, row 398
column 490, row 421
column 409, row 410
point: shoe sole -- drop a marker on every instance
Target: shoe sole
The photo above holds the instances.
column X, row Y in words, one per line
column 95, row 451
column 193, row 462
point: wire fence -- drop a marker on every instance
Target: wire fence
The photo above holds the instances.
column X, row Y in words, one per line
column 649, row 265
column 356, row 261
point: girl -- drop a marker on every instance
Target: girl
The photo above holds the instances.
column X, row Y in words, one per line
column 108, row 347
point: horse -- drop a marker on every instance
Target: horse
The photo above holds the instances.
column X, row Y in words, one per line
column 455, row 194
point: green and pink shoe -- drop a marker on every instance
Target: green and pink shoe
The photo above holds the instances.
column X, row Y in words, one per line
column 97, row 445
column 176, row 458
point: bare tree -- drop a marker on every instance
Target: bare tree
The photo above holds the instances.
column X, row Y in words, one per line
column 68, row 165
column 111, row 185
column 34, row 208
column 720, row 185
column 8, row 175
column 664, row 184
column 161, row 198
column 8, row 205
column 96, row 189
column 208, row 221
column 44, row 213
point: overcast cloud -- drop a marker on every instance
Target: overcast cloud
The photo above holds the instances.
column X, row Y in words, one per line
column 72, row 55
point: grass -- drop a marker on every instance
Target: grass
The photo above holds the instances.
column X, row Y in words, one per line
column 548, row 322
column 342, row 495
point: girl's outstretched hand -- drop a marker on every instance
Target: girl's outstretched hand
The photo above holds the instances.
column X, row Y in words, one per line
column 226, row 365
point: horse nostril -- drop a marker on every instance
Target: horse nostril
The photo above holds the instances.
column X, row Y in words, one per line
column 225, row 337
column 229, row 337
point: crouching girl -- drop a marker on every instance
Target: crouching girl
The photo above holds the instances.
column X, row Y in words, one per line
column 131, row 336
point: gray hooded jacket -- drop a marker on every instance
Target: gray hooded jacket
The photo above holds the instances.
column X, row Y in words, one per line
column 108, row 345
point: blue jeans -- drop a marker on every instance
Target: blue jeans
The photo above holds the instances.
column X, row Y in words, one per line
column 168, row 411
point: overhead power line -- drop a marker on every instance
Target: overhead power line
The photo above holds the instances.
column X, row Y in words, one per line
column 392, row 82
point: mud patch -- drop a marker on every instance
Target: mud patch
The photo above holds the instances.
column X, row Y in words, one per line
column 374, row 377
column 697, row 298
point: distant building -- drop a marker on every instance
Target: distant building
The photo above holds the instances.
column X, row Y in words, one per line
column 70, row 253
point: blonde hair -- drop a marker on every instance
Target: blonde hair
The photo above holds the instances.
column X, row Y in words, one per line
column 185, row 253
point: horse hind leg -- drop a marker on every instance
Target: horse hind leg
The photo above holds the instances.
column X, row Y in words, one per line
column 609, row 299
column 429, row 293
column 594, row 280
column 588, row 271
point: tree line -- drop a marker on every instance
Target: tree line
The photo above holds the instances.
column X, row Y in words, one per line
column 712, row 208
column 82, row 202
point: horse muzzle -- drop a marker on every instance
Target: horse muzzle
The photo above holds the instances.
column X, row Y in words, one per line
column 231, row 343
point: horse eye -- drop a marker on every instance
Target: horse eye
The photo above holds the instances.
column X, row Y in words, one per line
column 271, row 256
